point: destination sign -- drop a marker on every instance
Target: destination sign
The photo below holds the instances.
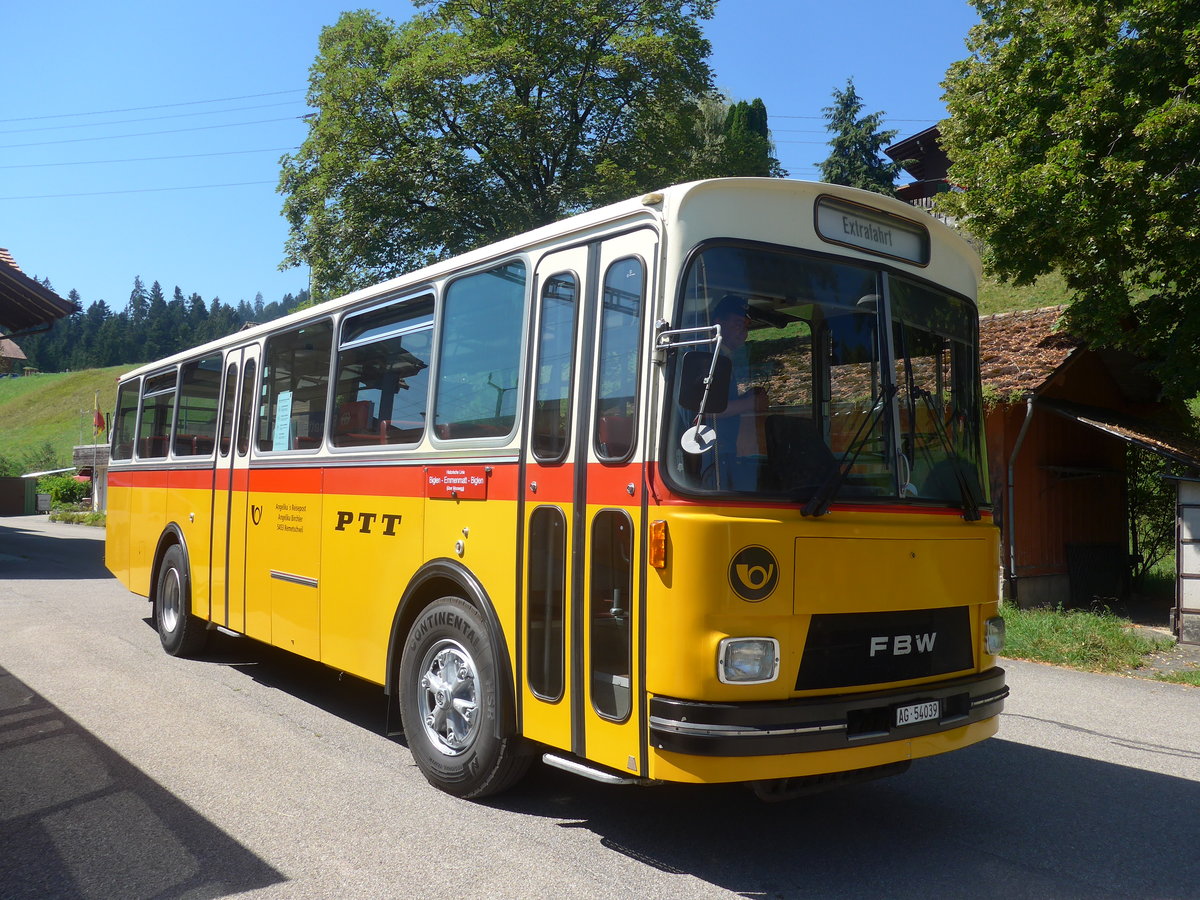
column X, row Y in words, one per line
column 868, row 229
column 456, row 482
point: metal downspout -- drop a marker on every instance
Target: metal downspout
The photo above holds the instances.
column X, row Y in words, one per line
column 1012, row 465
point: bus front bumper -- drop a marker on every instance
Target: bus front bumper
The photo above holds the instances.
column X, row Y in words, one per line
column 824, row 723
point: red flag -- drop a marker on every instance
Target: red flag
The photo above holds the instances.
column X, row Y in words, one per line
column 98, row 418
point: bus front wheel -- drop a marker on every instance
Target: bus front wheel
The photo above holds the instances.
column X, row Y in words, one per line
column 449, row 700
column 181, row 633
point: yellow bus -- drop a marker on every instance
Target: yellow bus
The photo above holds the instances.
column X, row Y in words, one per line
column 690, row 488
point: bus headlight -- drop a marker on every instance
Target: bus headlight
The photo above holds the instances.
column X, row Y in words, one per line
column 994, row 635
column 747, row 660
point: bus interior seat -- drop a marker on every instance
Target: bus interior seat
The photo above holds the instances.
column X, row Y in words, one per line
column 614, row 434
column 355, row 416
column 797, row 457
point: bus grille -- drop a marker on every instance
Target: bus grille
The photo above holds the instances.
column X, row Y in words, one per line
column 848, row 649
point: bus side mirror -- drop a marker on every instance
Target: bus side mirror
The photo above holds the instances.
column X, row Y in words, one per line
column 697, row 364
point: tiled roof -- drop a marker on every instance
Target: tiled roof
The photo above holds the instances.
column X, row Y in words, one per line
column 1019, row 351
column 9, row 350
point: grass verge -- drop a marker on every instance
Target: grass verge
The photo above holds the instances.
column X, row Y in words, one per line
column 1095, row 642
column 1191, row 677
column 79, row 517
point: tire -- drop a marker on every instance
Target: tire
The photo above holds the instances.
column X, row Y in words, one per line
column 449, row 700
column 181, row 633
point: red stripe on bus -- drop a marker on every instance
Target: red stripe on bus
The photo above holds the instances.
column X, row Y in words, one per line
column 555, row 484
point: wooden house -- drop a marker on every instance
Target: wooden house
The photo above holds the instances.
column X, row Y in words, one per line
column 1060, row 417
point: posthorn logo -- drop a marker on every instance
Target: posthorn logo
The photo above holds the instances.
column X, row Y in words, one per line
column 753, row 573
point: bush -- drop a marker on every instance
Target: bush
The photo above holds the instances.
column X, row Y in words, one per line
column 64, row 490
column 78, row 517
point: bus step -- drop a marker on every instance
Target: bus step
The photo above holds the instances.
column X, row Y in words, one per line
column 604, row 776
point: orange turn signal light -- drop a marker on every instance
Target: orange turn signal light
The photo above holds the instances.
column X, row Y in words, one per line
column 658, row 544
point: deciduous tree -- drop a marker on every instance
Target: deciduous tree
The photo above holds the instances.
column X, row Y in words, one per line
column 1074, row 131
column 475, row 120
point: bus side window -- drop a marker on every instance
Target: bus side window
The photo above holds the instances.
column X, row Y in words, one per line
column 555, row 372
column 611, row 595
column 246, row 406
column 196, row 421
column 295, row 376
column 158, row 409
column 480, row 354
column 226, row 437
column 125, row 424
column 382, row 386
column 620, row 359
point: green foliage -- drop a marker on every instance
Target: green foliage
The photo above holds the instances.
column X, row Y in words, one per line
column 999, row 296
column 856, row 158
column 1152, row 501
column 471, row 122
column 747, row 146
column 1073, row 130
column 63, row 489
column 94, row 518
column 1188, row 676
column 1097, row 642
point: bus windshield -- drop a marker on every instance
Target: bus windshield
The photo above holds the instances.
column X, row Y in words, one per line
column 811, row 394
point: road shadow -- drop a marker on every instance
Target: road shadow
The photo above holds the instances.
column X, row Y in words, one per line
column 33, row 555
column 345, row 696
column 78, row 821
column 999, row 819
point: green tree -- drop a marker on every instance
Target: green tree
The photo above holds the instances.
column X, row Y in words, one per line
column 857, row 158
column 747, row 148
column 1073, row 131
column 474, row 121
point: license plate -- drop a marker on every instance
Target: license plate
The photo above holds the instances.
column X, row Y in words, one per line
column 918, row 712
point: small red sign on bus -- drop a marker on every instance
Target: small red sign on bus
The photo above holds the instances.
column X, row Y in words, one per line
column 456, row 482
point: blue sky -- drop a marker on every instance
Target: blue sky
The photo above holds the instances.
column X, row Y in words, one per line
column 100, row 96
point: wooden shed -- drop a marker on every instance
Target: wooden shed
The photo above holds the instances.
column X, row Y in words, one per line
column 1060, row 417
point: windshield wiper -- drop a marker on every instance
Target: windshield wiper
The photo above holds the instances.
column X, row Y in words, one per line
column 970, row 504
column 818, row 504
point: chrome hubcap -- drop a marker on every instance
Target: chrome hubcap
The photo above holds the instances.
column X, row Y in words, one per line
column 170, row 592
column 448, row 697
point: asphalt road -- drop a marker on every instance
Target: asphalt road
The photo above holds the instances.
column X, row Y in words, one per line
column 127, row 773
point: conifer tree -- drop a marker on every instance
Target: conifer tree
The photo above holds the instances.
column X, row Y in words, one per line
column 857, row 141
column 747, row 148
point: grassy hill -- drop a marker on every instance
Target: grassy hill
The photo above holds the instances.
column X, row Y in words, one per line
column 55, row 409
column 994, row 297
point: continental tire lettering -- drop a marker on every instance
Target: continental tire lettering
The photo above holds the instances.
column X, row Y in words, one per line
column 442, row 619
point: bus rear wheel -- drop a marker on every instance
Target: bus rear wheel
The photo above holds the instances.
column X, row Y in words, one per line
column 181, row 633
column 449, row 701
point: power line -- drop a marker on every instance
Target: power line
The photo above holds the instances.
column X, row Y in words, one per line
column 886, row 118
column 109, row 137
column 190, row 187
column 205, row 112
column 96, row 162
column 105, row 112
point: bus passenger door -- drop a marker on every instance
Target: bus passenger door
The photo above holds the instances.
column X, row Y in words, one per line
column 549, row 489
column 584, row 490
column 613, row 585
column 230, row 503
